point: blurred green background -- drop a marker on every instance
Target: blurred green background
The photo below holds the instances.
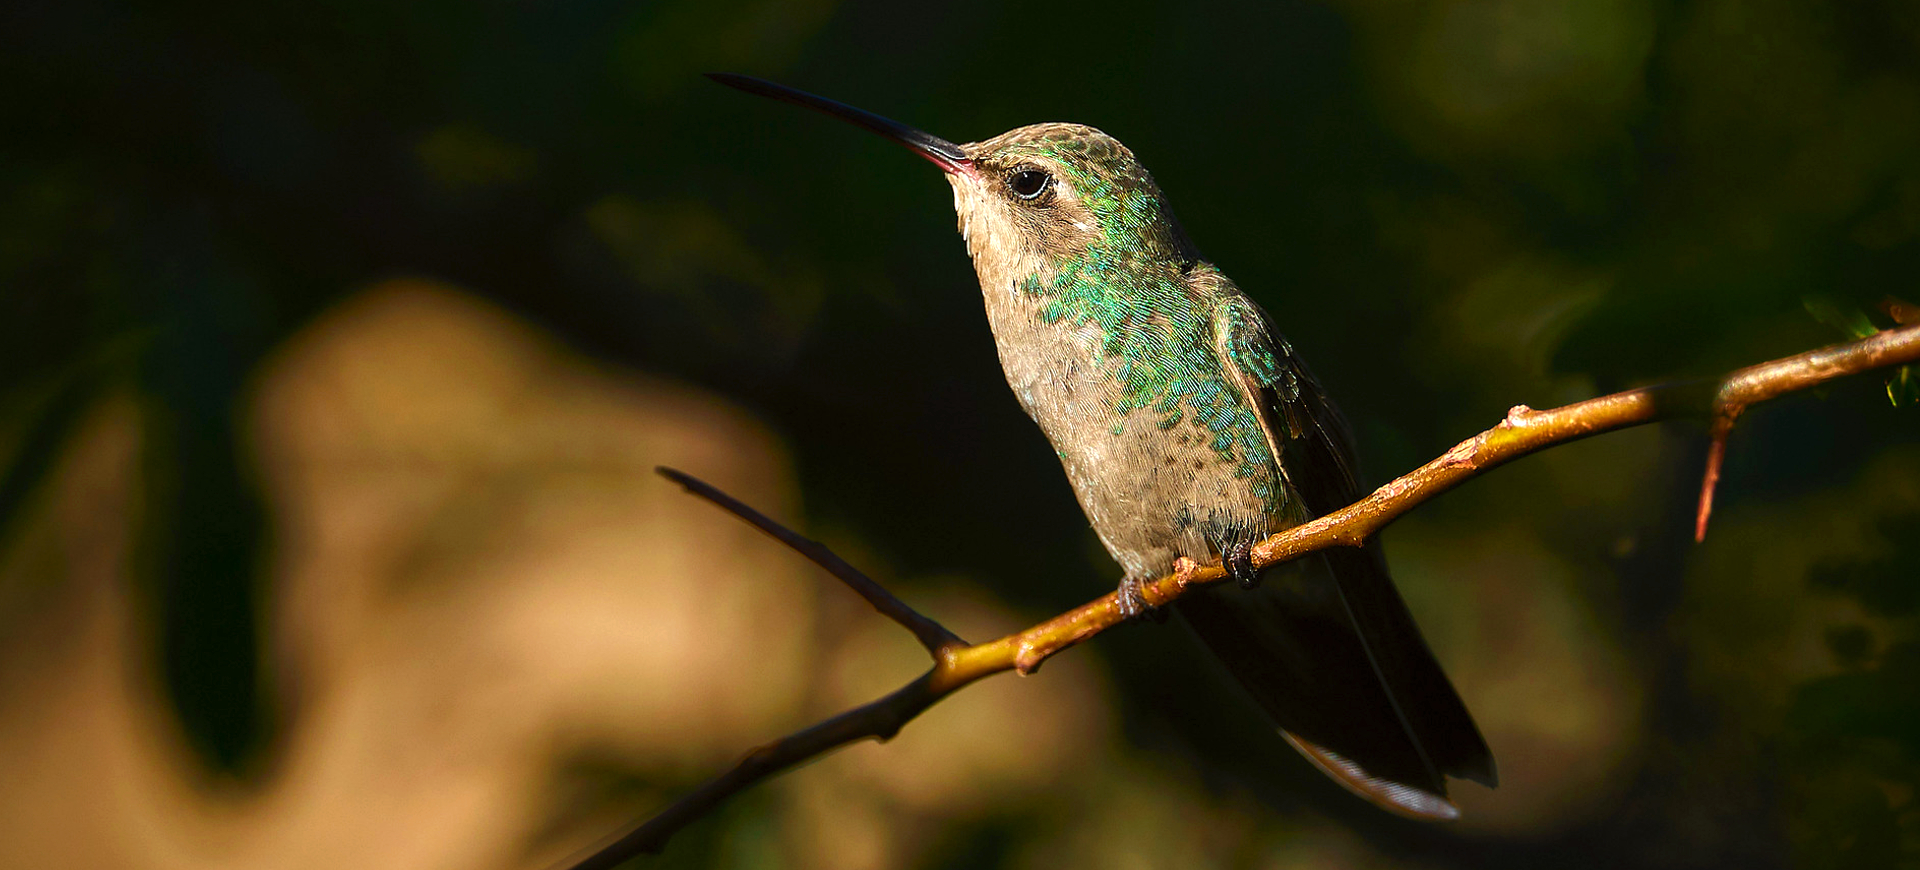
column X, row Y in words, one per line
column 339, row 340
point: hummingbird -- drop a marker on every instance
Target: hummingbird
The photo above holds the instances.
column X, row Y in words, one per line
column 1190, row 429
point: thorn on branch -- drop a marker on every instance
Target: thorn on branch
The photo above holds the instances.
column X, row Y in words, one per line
column 1728, row 404
column 1716, row 454
column 931, row 634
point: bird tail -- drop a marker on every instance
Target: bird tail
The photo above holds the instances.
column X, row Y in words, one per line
column 1330, row 652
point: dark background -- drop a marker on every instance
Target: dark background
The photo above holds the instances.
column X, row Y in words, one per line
column 1448, row 207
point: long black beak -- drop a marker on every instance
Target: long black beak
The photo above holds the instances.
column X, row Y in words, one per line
column 944, row 154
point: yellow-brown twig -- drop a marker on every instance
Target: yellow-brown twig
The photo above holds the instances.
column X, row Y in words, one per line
column 956, row 664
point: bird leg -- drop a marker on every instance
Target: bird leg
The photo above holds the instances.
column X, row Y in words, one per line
column 1133, row 601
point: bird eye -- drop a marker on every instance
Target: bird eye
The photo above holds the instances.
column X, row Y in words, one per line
column 1028, row 182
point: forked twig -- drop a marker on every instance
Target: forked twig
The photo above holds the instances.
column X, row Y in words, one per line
column 1755, row 384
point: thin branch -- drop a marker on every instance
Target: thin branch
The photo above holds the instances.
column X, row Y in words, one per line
column 1524, row 431
column 1755, row 384
column 932, row 635
column 879, row 720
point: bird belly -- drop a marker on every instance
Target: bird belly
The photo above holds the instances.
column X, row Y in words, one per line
column 1152, row 492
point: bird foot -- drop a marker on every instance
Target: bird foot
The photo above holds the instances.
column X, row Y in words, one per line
column 1238, row 560
column 1134, row 604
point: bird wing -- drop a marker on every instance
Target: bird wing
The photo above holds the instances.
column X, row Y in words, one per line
column 1331, row 652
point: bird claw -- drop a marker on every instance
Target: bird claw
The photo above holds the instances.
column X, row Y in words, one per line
column 1134, row 604
column 1238, row 560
